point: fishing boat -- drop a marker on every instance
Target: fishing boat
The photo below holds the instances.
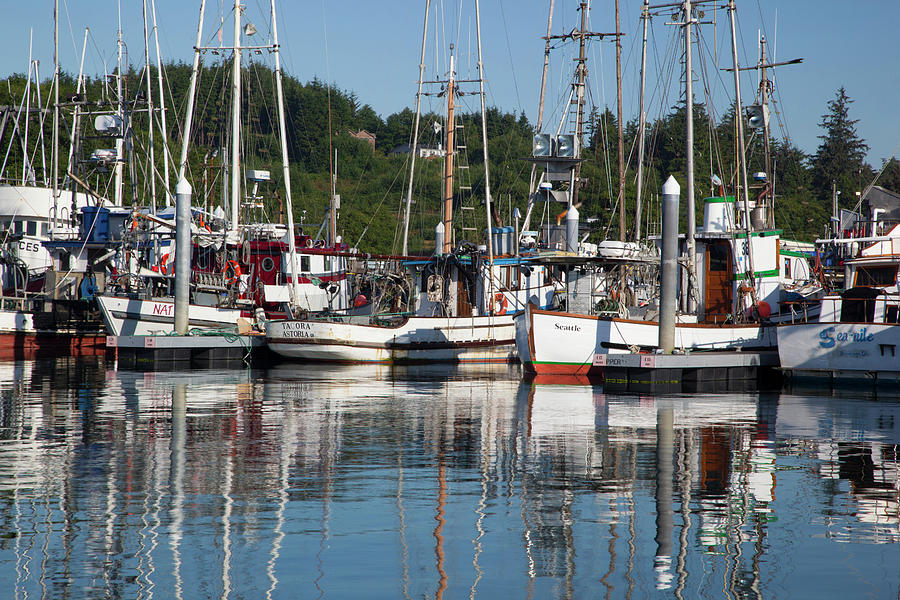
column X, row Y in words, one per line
column 857, row 335
column 239, row 265
column 455, row 306
column 738, row 277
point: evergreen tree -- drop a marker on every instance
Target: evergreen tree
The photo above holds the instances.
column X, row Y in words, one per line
column 840, row 158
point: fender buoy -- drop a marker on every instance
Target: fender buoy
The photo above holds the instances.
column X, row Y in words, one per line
column 232, row 271
column 500, row 303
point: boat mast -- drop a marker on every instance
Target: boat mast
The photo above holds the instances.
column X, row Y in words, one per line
column 689, row 142
column 152, row 150
column 292, row 244
column 621, row 143
column 189, row 118
column 581, row 76
column 415, row 142
column 484, row 139
column 120, row 139
column 738, row 116
column 55, row 156
column 162, row 106
column 642, row 124
column 236, row 119
column 450, row 90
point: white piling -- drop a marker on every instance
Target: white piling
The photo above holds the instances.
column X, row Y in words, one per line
column 669, row 274
column 182, row 255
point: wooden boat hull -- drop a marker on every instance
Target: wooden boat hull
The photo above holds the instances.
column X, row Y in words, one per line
column 487, row 339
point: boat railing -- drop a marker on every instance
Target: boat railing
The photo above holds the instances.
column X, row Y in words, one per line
column 21, row 303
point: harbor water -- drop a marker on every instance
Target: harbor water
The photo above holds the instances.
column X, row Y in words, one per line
column 377, row 482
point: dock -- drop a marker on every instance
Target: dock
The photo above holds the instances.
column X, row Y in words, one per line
column 175, row 352
column 711, row 371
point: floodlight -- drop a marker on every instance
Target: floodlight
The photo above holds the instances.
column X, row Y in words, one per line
column 541, row 145
column 566, row 146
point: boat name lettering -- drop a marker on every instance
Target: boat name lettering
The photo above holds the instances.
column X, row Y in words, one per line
column 163, row 309
column 567, row 327
column 29, row 246
column 828, row 338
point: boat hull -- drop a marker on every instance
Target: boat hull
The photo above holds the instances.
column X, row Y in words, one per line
column 557, row 343
column 485, row 339
column 832, row 348
column 130, row 316
column 20, row 340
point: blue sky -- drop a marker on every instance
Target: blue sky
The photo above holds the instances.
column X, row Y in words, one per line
column 373, row 49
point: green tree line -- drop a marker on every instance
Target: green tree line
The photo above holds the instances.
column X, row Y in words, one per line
column 372, row 181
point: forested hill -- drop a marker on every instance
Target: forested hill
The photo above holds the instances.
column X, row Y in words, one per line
column 372, row 180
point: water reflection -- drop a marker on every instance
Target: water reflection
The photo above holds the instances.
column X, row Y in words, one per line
column 435, row 482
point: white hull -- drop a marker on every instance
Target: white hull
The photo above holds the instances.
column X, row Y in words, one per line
column 128, row 316
column 418, row 339
column 571, row 344
column 16, row 321
column 840, row 347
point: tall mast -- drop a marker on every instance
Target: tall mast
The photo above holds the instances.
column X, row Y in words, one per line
column 484, row 140
column 415, row 142
column 162, row 106
column 236, row 119
column 450, row 90
column 189, row 119
column 689, row 142
column 743, row 183
column 152, row 151
column 642, row 125
column 581, row 77
column 621, row 126
column 292, row 248
column 764, row 99
column 55, row 156
column 120, row 111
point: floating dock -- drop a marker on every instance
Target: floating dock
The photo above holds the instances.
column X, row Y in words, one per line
column 691, row 372
column 174, row 352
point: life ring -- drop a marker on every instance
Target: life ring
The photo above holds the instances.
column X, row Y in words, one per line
column 232, row 271
column 309, row 243
column 162, row 264
column 500, row 303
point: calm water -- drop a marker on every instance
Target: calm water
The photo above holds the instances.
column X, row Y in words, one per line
column 362, row 482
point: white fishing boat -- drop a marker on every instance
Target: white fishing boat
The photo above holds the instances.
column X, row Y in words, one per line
column 858, row 331
column 455, row 306
column 738, row 278
column 238, row 266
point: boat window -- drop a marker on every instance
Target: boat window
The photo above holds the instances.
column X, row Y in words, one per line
column 304, row 264
column 19, row 227
column 891, row 314
column 45, row 229
column 31, row 227
column 876, row 276
column 787, row 267
column 718, row 257
column 267, row 264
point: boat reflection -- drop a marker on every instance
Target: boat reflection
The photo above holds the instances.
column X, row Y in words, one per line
column 426, row 482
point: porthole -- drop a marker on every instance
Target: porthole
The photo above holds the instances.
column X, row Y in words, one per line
column 267, row 264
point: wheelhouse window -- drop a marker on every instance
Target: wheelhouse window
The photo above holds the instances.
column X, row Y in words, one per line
column 718, row 257
column 31, row 227
column 876, row 276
